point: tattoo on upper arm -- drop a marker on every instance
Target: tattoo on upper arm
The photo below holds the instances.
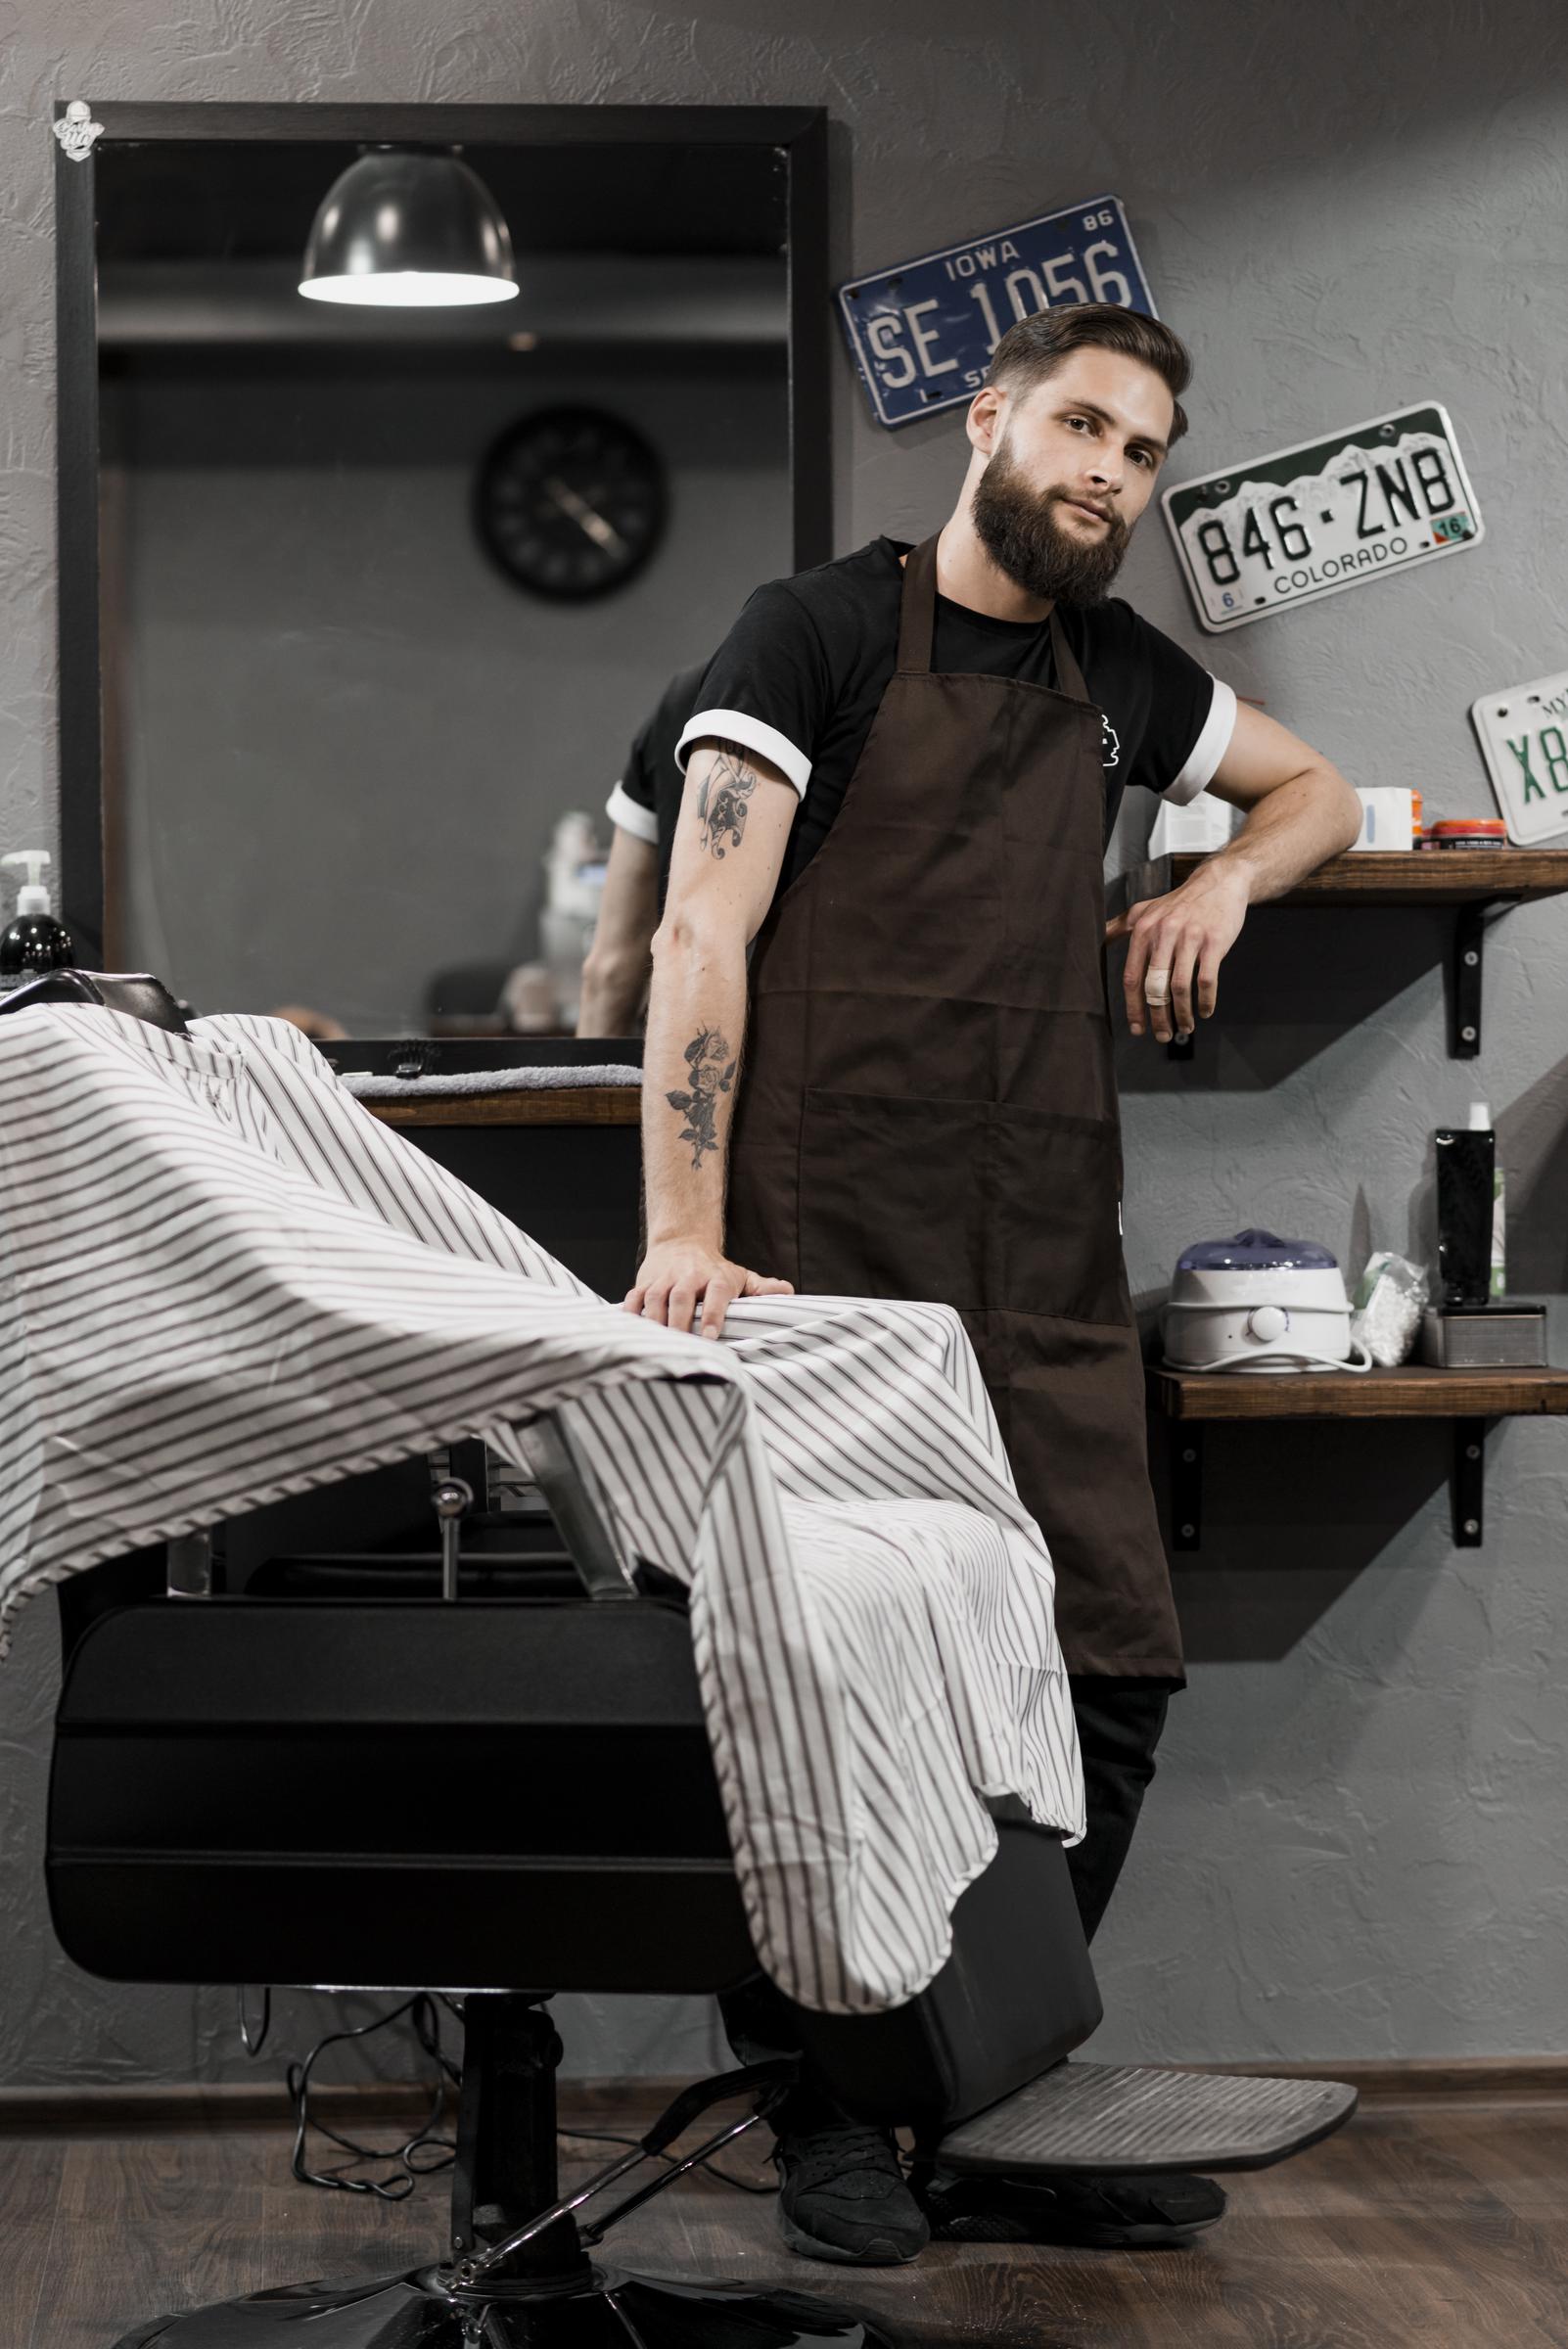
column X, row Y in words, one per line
column 721, row 802
column 713, row 1072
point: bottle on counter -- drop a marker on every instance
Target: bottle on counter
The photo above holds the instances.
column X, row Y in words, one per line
column 574, row 877
column 36, row 942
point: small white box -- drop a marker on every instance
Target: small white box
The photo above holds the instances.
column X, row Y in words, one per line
column 1388, row 819
column 1197, row 828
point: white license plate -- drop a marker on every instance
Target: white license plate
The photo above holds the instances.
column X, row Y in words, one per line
column 1322, row 516
column 1523, row 733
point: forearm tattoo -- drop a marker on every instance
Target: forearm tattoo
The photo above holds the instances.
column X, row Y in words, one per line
column 713, row 1072
column 721, row 803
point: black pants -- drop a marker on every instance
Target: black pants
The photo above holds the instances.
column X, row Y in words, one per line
column 1120, row 1723
column 1119, row 1726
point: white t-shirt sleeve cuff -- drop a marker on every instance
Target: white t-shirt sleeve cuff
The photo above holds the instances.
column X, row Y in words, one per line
column 735, row 725
column 1209, row 749
column 623, row 810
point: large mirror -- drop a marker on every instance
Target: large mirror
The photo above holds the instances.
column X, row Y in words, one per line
column 385, row 589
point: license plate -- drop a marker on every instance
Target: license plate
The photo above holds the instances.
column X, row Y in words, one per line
column 1322, row 516
column 922, row 333
column 1523, row 733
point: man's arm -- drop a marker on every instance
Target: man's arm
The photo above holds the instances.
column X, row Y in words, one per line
column 1300, row 813
column 735, row 817
column 615, row 973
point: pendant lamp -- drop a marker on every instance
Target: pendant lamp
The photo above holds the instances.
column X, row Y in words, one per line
column 403, row 229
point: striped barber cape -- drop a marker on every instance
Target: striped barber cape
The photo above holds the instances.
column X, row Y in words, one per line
column 222, row 1282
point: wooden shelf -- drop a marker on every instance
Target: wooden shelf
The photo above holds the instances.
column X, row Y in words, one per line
column 1409, row 1393
column 1423, row 877
column 1466, row 1399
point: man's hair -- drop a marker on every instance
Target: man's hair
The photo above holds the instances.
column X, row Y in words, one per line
column 1035, row 348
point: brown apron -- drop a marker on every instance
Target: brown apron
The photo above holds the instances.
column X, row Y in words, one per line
column 926, row 1106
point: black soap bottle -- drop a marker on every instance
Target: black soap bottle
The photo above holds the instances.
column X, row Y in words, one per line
column 1467, row 1161
column 36, row 942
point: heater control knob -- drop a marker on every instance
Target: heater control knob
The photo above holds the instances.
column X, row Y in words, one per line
column 1266, row 1323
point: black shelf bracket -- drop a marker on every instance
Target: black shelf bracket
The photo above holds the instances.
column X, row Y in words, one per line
column 1471, row 922
column 1468, row 1483
column 1470, row 934
column 1187, row 1485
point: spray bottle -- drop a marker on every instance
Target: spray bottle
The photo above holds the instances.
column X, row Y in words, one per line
column 574, row 876
column 36, row 942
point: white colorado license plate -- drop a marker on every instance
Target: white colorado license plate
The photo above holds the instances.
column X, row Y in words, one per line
column 1322, row 516
column 1523, row 733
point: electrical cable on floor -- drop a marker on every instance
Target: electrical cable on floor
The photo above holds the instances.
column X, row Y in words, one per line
column 408, row 2157
column 425, row 2023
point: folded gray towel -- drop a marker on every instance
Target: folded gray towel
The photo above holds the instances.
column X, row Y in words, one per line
column 366, row 1087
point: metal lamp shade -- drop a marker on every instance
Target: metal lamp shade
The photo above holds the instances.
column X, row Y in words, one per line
column 406, row 230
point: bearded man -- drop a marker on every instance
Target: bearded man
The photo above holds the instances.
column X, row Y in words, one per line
column 900, row 773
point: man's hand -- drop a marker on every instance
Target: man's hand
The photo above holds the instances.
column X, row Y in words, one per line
column 1300, row 813
column 1177, row 943
column 677, row 1278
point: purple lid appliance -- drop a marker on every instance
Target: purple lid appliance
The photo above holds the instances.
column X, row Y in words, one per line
column 1257, row 1303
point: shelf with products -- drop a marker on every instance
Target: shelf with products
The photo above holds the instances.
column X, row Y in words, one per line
column 1470, row 1399
column 1478, row 884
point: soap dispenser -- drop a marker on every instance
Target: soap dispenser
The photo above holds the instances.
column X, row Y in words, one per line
column 36, row 942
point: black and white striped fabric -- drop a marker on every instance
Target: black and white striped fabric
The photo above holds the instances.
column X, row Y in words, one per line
column 221, row 1282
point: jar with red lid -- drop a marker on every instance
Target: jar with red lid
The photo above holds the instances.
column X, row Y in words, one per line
column 1469, row 832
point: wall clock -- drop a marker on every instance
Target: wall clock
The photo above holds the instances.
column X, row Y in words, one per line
column 571, row 502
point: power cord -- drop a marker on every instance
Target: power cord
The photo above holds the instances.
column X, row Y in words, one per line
column 411, row 2158
column 425, row 2023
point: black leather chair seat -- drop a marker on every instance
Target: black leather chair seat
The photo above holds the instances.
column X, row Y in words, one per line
column 392, row 1792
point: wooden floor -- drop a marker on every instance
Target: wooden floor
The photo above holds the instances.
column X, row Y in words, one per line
column 1433, row 2224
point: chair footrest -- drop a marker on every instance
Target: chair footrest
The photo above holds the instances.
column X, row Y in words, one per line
column 1120, row 2119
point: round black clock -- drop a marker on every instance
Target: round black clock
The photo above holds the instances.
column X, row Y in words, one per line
column 571, row 502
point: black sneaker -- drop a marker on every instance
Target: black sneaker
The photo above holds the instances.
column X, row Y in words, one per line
column 1109, row 2213
column 842, row 2196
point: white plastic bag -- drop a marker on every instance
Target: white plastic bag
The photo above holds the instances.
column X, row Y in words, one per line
column 1389, row 1300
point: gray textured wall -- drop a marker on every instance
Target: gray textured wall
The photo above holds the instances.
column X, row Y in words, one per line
column 1355, row 1846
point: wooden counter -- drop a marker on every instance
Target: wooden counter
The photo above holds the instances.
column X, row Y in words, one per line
column 566, row 1105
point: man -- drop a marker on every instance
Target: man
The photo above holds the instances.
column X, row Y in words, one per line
column 899, row 782
column 643, row 807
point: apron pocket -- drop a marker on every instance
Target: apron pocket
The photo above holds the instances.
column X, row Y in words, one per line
column 1055, row 1194
column 893, row 1197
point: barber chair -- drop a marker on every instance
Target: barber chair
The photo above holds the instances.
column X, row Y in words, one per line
column 464, row 1748
column 387, row 1735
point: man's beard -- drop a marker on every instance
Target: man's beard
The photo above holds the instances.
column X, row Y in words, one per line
column 1018, row 529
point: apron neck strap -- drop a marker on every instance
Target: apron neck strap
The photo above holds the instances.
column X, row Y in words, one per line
column 1069, row 676
column 917, row 620
column 917, row 612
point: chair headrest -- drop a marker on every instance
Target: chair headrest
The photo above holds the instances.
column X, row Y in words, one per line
column 136, row 992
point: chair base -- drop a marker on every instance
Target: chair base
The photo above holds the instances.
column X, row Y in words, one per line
column 607, row 2308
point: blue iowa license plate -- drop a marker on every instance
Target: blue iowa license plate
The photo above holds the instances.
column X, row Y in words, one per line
column 922, row 335
column 1323, row 515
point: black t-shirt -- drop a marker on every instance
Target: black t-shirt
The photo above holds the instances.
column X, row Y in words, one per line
column 647, row 799
column 800, row 673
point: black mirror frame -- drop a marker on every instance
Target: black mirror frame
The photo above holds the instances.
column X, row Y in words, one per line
column 798, row 133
